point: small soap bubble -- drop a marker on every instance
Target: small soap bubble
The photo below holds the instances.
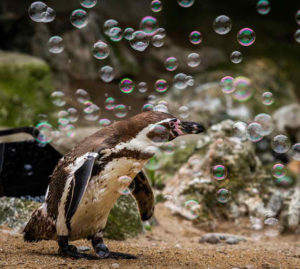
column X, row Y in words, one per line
column 184, row 112
column 56, row 44
column 68, row 130
column 91, row 111
column 180, row 81
column 278, row 170
column 63, row 117
column 239, row 129
column 223, row 196
column 79, row 18
column 298, row 17
column 192, row 207
column 49, row 15
column 236, row 57
column 153, row 164
column 116, row 34
column 100, row 50
column 193, row 59
column 125, row 180
column 104, row 122
column 263, row 7
column 271, row 221
column 45, row 132
column 185, row 3
column 128, row 33
column 284, row 182
column 295, row 152
column 125, row 185
column 139, row 41
column 246, row 37
column 156, row 6
column 82, row 96
column 108, row 25
column 147, row 107
column 266, row 122
column 127, row 85
column 280, row 143
column 58, row 98
column 297, row 36
column 161, row 85
column 149, row 25
column 158, row 134
column 109, row 103
column 158, row 41
column 168, row 148
column 161, row 108
column 73, row 114
column 267, row 98
column 222, row 25
column 243, row 89
column 254, row 130
column 88, row 3
column 195, row 37
column 142, row 87
column 120, row 111
column 171, row 63
column 227, row 85
column 107, row 73
column 219, row 172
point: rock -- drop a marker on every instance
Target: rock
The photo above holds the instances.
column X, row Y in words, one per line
column 215, row 238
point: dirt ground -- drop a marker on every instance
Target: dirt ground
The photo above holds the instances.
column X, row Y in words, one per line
column 174, row 243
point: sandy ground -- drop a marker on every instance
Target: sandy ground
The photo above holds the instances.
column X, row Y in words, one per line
column 174, row 243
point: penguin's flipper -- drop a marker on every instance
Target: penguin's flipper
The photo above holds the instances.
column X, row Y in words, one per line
column 79, row 184
column 143, row 195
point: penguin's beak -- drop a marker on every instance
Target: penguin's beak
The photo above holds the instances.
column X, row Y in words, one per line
column 188, row 127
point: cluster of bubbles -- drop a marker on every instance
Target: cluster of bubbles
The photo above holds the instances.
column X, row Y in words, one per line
column 40, row 12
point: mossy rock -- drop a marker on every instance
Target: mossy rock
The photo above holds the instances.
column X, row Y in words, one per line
column 25, row 87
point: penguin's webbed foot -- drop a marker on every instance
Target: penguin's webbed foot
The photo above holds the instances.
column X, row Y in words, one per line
column 119, row 255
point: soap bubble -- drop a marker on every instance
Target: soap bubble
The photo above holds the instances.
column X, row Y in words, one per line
column 284, row 182
column 297, row 36
column 58, row 98
column 120, row 111
column 45, row 132
column 263, row 7
column 266, row 122
column 295, row 152
column 195, row 37
column 107, row 73
column 161, row 108
column 109, row 25
column 152, row 164
column 127, row 85
column 219, row 172
column 168, row 148
column 91, row 111
column 227, row 84
column 104, row 122
column 236, row 57
column 63, row 117
column 88, row 3
column 171, row 63
column 49, row 15
column 246, row 37
column 243, row 89
column 192, row 207
column 124, row 182
column 128, row 33
column 278, row 170
column 267, row 98
column 271, row 221
column 298, row 17
column 40, row 12
column 158, row 134
column 149, row 25
column 147, row 107
column 180, row 81
column 280, row 143
column 240, row 130
column 161, row 85
column 158, row 41
column 79, row 18
column 72, row 114
column 109, row 103
column 68, row 130
column 142, row 87
column 254, row 130
column 152, row 99
column 82, row 96
column 116, row 34
column 185, row 3
column 223, row 196
column 127, row 190
column 100, row 50
column 139, row 41
column 56, row 44
column 193, row 59
column 184, row 112
column 222, row 25
column 156, row 6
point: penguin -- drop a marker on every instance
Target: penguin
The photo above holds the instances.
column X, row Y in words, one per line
column 85, row 183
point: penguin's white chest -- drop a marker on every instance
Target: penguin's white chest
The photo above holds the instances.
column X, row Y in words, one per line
column 101, row 194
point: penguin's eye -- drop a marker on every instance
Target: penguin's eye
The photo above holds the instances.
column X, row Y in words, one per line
column 171, row 124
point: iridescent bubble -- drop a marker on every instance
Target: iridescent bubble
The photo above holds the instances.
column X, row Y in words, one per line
column 171, row 63
column 56, row 44
column 147, row 107
column 280, row 143
column 58, row 98
column 127, row 85
column 168, row 148
column 161, row 108
column 152, row 164
column 107, row 73
column 49, row 15
column 142, row 87
column 116, row 34
column 158, row 134
column 79, row 18
column 100, row 50
column 227, row 84
column 68, row 130
column 284, row 182
column 82, row 96
column 156, row 6
column 40, row 12
column 73, row 114
column 149, row 25
column 223, row 196
column 185, row 3
column 240, row 130
column 108, row 25
column 139, row 41
column 267, row 98
column 243, row 89
column 127, row 190
column 298, row 17
column 263, row 7
column 222, row 25
column 109, row 103
column 295, row 152
column 158, row 39
column 219, row 172
column 246, row 37
column 161, row 85
column 236, row 57
column 63, row 117
column 128, row 33
column 297, row 36
column 193, row 208
column 88, row 3
column 278, row 170
column 254, row 131
column 120, row 111
column 193, row 59
column 195, row 37
column 91, row 111
column 184, row 112
column 104, row 122
column 180, row 81
column 266, row 122
column 45, row 132
column 124, row 180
